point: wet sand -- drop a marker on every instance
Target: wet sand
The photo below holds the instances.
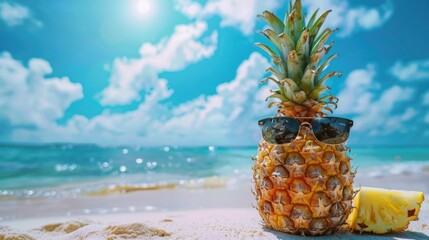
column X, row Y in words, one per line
column 207, row 213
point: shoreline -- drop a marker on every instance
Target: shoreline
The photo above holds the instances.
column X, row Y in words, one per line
column 217, row 192
column 200, row 213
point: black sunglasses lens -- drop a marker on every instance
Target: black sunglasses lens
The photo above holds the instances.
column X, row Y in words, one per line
column 280, row 130
column 331, row 130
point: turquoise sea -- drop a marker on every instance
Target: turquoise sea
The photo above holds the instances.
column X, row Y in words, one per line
column 65, row 170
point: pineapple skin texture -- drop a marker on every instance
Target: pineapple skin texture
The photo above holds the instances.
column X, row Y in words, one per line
column 304, row 187
column 381, row 211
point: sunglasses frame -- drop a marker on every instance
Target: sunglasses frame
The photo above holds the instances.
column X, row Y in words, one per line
column 308, row 123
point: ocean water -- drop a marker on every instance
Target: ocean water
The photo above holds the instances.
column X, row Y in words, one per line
column 65, row 170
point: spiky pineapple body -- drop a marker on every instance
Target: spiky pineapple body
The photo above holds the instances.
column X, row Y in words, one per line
column 304, row 187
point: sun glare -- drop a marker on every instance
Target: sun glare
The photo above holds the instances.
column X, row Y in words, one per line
column 143, row 7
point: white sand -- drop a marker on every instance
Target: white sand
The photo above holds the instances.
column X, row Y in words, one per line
column 224, row 213
column 196, row 224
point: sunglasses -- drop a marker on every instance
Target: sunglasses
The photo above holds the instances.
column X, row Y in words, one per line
column 328, row 130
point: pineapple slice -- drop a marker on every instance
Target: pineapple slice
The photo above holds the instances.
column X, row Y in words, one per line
column 381, row 211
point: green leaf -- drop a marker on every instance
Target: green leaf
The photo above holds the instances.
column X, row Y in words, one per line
column 278, row 96
column 317, row 25
column 287, row 42
column 317, row 92
column 307, row 81
column 290, row 26
column 289, row 87
column 294, row 66
column 287, row 91
column 291, row 83
column 323, row 33
column 277, row 25
column 321, row 40
column 274, row 38
column 298, row 17
column 278, row 61
column 324, row 66
column 312, row 18
column 317, row 56
column 271, row 79
column 276, row 73
column 299, row 97
column 266, row 49
column 288, row 11
column 326, row 77
column 279, row 84
column 303, row 45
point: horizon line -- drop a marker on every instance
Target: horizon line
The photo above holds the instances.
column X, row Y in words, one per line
column 43, row 144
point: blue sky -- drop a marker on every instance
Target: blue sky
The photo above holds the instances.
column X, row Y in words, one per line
column 186, row 72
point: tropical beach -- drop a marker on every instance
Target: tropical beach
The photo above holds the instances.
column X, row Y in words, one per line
column 214, row 119
column 190, row 205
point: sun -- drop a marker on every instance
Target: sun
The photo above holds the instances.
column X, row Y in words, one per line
column 143, row 7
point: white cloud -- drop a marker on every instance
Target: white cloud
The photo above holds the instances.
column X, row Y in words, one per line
column 233, row 13
column 187, row 45
column 372, row 112
column 379, row 119
column 242, row 14
column 14, row 14
column 28, row 97
column 356, row 95
column 228, row 117
column 351, row 19
column 408, row 114
column 414, row 70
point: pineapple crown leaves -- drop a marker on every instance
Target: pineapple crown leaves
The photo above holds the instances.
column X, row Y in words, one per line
column 298, row 58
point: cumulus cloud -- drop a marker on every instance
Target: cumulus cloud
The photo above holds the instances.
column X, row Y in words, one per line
column 374, row 112
column 227, row 117
column 14, row 14
column 355, row 97
column 242, row 14
column 234, row 13
column 351, row 19
column 380, row 119
column 411, row 71
column 30, row 99
column 188, row 44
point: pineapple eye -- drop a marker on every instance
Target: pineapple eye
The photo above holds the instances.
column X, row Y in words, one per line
column 332, row 183
column 280, row 171
column 301, row 211
column 314, row 171
column 336, row 210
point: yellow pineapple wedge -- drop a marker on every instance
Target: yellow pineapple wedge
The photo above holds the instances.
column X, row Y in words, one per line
column 381, row 211
column 304, row 187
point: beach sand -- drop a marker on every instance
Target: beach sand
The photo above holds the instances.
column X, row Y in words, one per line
column 216, row 213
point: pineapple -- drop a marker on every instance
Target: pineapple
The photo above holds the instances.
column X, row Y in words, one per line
column 304, row 187
column 382, row 211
